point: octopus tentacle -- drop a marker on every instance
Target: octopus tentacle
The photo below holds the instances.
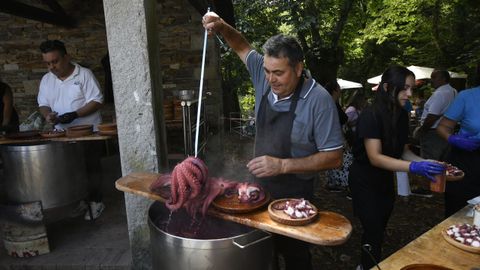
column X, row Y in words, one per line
column 193, row 177
column 175, row 205
column 174, row 187
column 162, row 181
column 216, row 187
column 191, row 188
column 201, row 165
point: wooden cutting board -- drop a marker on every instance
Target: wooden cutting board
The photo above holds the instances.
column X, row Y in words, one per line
column 329, row 229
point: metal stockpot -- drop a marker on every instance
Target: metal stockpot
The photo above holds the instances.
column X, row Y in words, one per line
column 51, row 172
column 236, row 246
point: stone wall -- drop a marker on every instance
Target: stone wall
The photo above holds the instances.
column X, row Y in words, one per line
column 21, row 63
column 180, row 45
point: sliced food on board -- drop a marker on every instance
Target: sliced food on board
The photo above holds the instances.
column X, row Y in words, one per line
column 464, row 236
column 292, row 211
column 454, row 173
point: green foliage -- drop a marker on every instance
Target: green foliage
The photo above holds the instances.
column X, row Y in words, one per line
column 375, row 34
column 247, row 103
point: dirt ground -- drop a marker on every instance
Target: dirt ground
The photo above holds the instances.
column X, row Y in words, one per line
column 412, row 216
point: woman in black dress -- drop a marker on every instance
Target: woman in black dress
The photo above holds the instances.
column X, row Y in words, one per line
column 379, row 150
column 8, row 114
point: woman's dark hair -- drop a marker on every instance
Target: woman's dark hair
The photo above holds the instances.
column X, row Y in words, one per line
column 53, row 45
column 358, row 101
column 284, row 46
column 387, row 107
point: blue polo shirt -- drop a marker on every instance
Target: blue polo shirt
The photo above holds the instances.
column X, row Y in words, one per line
column 316, row 126
column 466, row 110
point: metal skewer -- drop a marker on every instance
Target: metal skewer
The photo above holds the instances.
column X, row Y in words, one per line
column 200, row 92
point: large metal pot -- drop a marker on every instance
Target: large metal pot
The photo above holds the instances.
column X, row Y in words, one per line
column 186, row 95
column 51, row 172
column 211, row 243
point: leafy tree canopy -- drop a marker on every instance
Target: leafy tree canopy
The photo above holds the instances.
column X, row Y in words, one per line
column 357, row 39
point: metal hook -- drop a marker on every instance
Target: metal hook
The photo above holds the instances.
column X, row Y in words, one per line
column 367, row 248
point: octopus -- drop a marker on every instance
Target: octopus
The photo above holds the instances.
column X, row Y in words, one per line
column 295, row 209
column 250, row 192
column 189, row 186
column 466, row 234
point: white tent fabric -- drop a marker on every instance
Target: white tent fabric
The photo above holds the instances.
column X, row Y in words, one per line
column 420, row 73
column 344, row 84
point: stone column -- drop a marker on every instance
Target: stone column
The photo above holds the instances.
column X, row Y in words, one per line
column 133, row 47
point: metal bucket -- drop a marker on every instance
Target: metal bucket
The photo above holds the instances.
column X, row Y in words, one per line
column 51, row 172
column 216, row 244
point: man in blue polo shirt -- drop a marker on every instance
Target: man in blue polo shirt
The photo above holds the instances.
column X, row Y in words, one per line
column 298, row 132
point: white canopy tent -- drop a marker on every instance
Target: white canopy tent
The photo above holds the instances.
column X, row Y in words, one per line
column 344, row 84
column 420, row 73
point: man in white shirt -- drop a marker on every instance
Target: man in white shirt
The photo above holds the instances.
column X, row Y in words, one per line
column 69, row 95
column 432, row 146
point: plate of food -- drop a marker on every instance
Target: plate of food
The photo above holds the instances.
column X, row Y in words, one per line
column 245, row 197
column 454, row 173
column 464, row 236
column 290, row 211
column 79, row 131
column 52, row 133
column 22, row 135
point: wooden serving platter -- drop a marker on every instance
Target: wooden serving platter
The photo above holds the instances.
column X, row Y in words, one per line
column 458, row 244
column 234, row 206
column 329, row 229
column 54, row 134
column 22, row 135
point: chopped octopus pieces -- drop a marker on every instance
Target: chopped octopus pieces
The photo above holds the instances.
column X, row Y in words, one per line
column 296, row 209
column 465, row 233
column 453, row 170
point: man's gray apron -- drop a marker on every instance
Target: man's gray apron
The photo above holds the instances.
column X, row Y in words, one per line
column 273, row 138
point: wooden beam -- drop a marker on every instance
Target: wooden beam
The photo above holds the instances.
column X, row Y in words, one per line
column 55, row 7
column 25, row 11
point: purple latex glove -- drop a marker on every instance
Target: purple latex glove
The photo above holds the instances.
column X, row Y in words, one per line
column 464, row 141
column 427, row 168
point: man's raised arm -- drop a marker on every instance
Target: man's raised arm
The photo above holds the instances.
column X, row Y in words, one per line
column 214, row 24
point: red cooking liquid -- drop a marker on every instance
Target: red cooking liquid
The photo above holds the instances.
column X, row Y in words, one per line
column 180, row 224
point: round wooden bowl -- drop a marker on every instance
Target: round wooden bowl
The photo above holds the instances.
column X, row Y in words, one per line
column 80, row 127
column 107, row 127
column 108, row 132
column 424, row 266
column 280, row 217
column 455, row 177
column 79, row 131
column 458, row 244
column 234, row 206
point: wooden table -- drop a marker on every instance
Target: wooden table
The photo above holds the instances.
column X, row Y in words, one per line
column 432, row 248
column 329, row 229
column 93, row 137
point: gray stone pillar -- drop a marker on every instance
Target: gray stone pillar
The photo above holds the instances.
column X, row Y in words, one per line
column 134, row 58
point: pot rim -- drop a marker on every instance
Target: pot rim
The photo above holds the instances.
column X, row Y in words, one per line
column 225, row 242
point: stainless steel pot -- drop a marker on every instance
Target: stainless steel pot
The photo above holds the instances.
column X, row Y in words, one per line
column 186, row 95
column 211, row 243
column 50, row 172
